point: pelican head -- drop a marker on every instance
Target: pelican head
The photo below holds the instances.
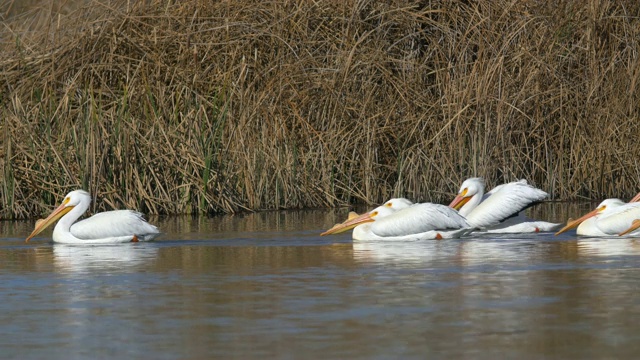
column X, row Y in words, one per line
column 468, row 190
column 398, row 204
column 371, row 216
column 75, row 198
column 605, row 205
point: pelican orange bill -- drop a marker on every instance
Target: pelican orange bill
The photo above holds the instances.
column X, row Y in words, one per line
column 460, row 200
column 572, row 224
column 353, row 221
column 42, row 224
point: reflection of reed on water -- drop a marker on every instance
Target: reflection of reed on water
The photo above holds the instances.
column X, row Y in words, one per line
column 290, row 224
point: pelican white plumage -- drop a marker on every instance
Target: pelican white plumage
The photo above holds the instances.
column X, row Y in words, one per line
column 108, row 227
column 635, row 224
column 500, row 210
column 611, row 217
column 401, row 220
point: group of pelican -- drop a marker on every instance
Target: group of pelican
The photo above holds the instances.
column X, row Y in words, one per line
column 498, row 211
column 612, row 217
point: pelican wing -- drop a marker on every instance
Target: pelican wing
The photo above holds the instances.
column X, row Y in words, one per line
column 499, row 187
column 111, row 224
column 503, row 202
column 418, row 218
column 619, row 220
column 524, row 227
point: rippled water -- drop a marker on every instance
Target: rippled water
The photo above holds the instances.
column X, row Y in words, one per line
column 265, row 285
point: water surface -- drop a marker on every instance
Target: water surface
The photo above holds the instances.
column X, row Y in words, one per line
column 266, row 285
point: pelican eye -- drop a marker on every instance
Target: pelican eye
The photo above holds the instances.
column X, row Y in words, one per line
column 388, row 205
column 374, row 213
column 464, row 192
column 602, row 208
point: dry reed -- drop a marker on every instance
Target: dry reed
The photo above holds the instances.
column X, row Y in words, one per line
column 197, row 106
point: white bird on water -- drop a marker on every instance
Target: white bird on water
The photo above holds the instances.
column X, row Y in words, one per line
column 401, row 220
column 109, row 227
column 611, row 217
column 499, row 210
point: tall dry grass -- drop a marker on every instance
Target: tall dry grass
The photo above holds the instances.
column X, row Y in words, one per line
column 199, row 106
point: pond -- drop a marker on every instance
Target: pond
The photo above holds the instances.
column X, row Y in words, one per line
column 266, row 285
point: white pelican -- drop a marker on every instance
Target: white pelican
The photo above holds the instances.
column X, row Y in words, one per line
column 103, row 228
column 611, row 217
column 401, row 220
column 498, row 211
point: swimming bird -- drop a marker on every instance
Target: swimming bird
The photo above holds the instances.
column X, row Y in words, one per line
column 108, row 227
column 401, row 220
column 611, row 217
column 499, row 210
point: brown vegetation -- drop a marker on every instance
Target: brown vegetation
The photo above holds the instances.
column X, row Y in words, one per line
column 219, row 106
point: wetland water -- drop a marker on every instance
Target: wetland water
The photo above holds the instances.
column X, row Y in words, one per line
column 266, row 285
